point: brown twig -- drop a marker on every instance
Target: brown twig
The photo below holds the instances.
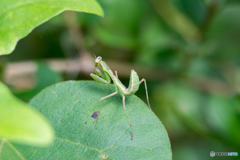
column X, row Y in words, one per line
column 21, row 74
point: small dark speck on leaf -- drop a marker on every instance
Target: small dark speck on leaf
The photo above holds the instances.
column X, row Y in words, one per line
column 95, row 114
column 85, row 122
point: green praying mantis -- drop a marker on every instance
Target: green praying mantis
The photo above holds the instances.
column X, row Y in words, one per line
column 107, row 75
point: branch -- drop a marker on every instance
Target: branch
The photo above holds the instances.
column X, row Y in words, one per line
column 22, row 74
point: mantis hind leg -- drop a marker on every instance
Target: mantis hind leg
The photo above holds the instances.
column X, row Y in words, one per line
column 124, row 106
column 110, row 95
column 144, row 80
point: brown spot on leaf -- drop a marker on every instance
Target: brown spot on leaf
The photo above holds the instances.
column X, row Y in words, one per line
column 104, row 156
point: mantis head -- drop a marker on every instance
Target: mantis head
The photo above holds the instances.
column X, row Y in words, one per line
column 98, row 60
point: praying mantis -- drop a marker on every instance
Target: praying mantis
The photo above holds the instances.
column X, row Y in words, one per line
column 107, row 75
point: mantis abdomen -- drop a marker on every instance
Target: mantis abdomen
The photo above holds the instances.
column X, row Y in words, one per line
column 133, row 83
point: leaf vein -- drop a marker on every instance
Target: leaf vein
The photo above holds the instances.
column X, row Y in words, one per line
column 134, row 147
column 77, row 143
column 33, row 154
column 67, row 112
column 18, row 153
column 1, row 146
column 117, row 139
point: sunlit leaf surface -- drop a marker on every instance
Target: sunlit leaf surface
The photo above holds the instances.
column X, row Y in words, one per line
column 18, row 18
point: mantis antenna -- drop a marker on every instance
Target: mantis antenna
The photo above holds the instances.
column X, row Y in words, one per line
column 79, row 61
column 92, row 53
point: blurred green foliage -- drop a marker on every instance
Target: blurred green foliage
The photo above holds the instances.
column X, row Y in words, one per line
column 199, row 117
column 45, row 77
column 20, row 123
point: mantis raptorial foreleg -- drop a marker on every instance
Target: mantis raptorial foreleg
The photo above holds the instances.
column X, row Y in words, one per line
column 98, row 79
column 104, row 76
column 145, row 83
column 99, row 73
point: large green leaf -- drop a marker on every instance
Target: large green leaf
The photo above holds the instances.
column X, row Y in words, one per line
column 20, row 123
column 69, row 107
column 18, row 18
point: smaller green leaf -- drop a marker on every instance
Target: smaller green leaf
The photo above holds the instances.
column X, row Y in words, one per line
column 20, row 123
column 18, row 18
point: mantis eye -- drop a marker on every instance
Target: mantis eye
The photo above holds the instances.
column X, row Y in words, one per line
column 99, row 58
